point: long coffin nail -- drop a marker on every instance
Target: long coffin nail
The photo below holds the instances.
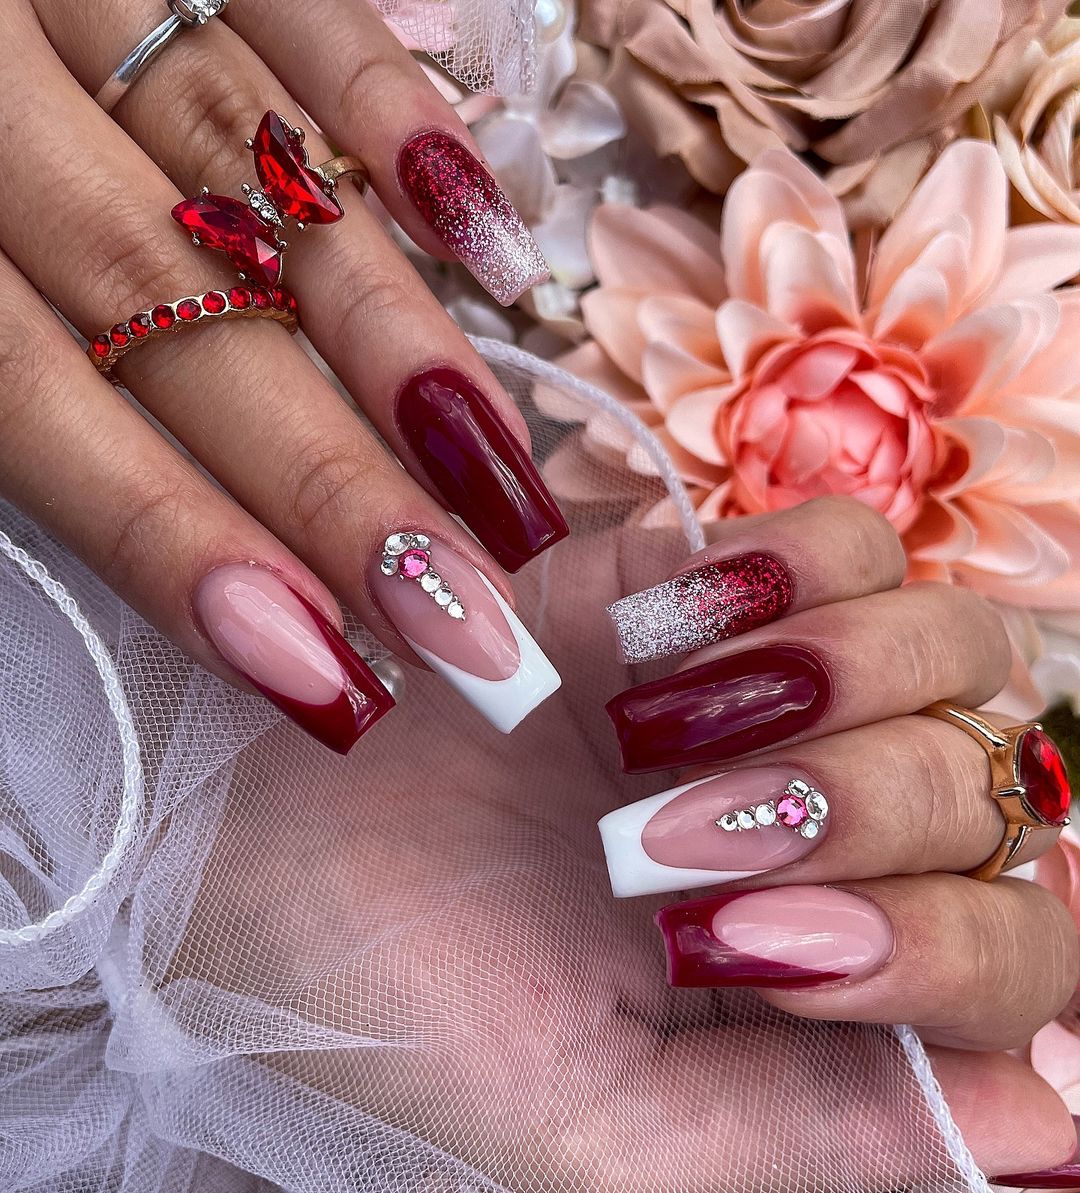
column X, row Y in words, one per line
column 721, row 709
column 1065, row 1176
column 707, row 604
column 482, row 471
column 284, row 646
column 458, row 198
column 713, row 830
column 451, row 615
column 785, row 936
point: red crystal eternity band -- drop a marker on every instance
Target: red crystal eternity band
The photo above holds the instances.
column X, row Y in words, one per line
column 1028, row 781
column 239, row 302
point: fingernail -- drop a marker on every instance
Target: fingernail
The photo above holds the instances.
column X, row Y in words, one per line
column 1065, row 1176
column 718, row 710
column 785, row 936
column 287, row 649
column 469, row 212
column 482, row 471
column 708, row 604
column 451, row 615
column 713, row 830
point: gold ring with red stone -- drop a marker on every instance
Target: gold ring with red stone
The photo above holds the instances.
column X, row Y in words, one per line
column 238, row 302
column 250, row 233
column 1028, row 781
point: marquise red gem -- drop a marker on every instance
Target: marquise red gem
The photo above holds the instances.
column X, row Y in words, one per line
column 101, row 346
column 140, row 326
column 214, row 302
column 1041, row 771
column 281, row 163
column 120, row 336
column 234, row 229
column 188, row 310
column 163, row 317
column 240, row 297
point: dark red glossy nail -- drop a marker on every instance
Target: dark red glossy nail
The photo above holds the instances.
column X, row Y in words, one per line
column 285, row 647
column 782, row 937
column 481, row 470
column 458, row 198
column 1065, row 1176
column 719, row 710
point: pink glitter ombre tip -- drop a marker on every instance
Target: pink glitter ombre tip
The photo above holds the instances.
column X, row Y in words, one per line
column 465, row 206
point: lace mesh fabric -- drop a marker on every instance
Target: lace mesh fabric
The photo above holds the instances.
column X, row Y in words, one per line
column 401, row 971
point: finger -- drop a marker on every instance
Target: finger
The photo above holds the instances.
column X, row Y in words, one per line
column 379, row 327
column 759, row 569
column 906, row 796
column 345, row 67
column 972, row 964
column 815, row 673
column 84, row 464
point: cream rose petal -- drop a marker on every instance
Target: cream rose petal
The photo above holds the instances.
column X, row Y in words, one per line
column 745, row 331
column 1038, row 257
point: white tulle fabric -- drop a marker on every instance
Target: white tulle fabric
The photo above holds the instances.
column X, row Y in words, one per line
column 232, row 962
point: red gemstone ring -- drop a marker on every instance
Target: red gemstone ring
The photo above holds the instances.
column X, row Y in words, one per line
column 1028, row 781
column 239, row 302
column 251, row 234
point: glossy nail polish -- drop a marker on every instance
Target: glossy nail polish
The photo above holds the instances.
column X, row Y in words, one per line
column 458, row 198
column 455, row 620
column 287, row 649
column 482, row 471
column 1065, row 1176
column 706, row 604
column 782, row 937
column 718, row 710
column 714, row 830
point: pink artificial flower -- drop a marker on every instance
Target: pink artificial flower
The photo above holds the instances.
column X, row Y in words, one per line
column 938, row 383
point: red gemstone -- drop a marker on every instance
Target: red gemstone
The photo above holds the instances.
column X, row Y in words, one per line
column 281, row 163
column 261, row 299
column 188, row 310
column 414, row 563
column 234, row 229
column 101, row 346
column 214, row 302
column 1041, row 771
column 791, row 810
column 280, row 298
column 240, row 297
column 120, row 336
column 163, row 317
column 140, row 326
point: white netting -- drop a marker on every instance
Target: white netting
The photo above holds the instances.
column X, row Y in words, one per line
column 401, row 971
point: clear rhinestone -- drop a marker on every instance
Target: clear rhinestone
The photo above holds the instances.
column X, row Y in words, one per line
column 728, row 823
column 198, row 10
column 810, row 829
column 817, row 805
column 389, row 567
column 263, row 208
column 422, row 541
column 798, row 787
column 443, row 596
column 745, row 818
column 429, row 581
column 765, row 814
column 398, row 544
column 456, row 610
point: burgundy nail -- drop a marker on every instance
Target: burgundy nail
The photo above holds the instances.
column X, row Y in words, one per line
column 706, row 604
column 782, row 937
column 482, row 471
column 464, row 205
column 284, row 646
column 1065, row 1176
column 721, row 709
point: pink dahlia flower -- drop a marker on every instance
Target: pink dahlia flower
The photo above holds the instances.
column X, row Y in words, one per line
column 938, row 383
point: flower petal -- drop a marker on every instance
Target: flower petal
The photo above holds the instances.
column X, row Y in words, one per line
column 585, row 118
column 693, row 422
column 1038, row 257
column 746, row 331
column 803, row 283
column 610, row 314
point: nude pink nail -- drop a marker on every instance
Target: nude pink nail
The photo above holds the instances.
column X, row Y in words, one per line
column 785, row 936
column 287, row 649
column 456, row 621
column 714, row 830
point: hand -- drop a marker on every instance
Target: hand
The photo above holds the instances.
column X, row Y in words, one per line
column 450, row 903
column 241, row 576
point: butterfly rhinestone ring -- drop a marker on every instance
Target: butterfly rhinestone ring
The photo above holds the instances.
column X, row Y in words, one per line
column 251, row 233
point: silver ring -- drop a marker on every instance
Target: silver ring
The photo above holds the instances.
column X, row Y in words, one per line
column 184, row 14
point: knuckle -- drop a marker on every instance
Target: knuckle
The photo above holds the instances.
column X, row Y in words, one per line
column 326, row 475
column 219, row 110
column 874, row 550
column 151, row 516
column 383, row 300
column 371, row 77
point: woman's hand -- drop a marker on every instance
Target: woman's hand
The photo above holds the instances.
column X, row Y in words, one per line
column 240, row 572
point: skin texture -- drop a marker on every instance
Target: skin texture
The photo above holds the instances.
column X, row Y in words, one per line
column 315, row 495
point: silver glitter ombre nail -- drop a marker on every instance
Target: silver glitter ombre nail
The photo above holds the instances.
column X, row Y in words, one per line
column 708, row 604
column 465, row 206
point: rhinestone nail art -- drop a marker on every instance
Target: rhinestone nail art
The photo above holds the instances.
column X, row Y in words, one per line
column 802, row 808
column 407, row 556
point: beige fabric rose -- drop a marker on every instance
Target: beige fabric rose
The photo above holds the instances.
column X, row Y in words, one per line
column 870, row 86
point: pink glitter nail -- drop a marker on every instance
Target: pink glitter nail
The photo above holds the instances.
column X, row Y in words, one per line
column 461, row 201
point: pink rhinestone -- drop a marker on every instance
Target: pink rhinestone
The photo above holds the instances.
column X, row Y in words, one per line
column 414, row 563
column 791, row 810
